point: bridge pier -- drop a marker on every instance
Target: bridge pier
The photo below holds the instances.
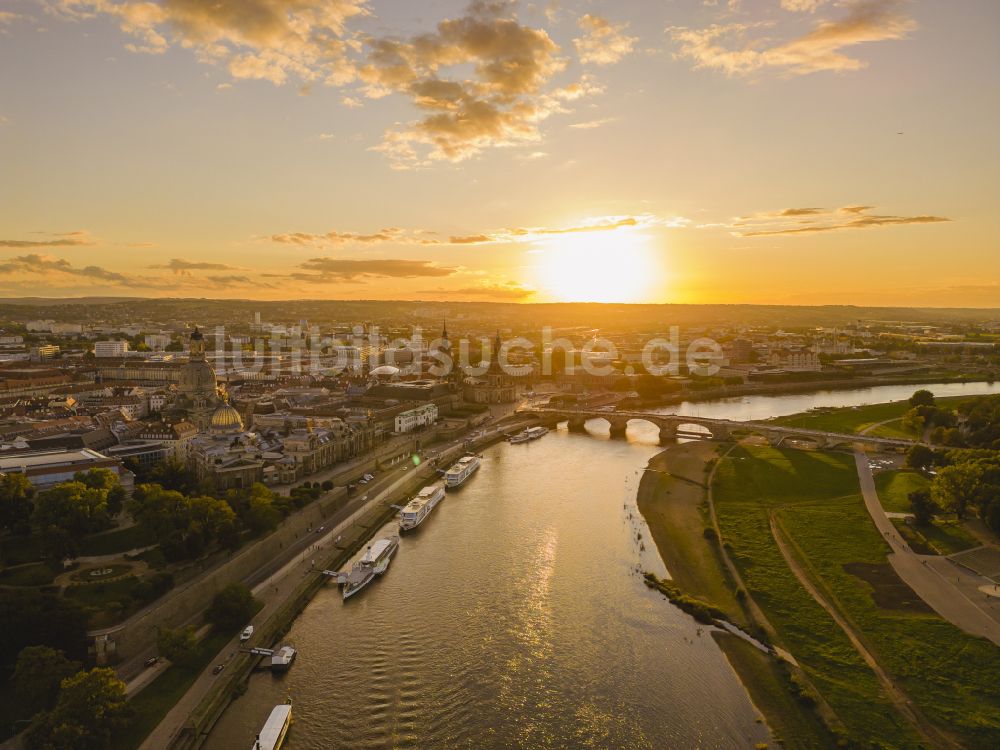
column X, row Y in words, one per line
column 668, row 433
column 720, row 433
column 577, row 424
column 618, row 427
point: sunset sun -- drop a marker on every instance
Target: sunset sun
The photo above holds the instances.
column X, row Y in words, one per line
column 618, row 266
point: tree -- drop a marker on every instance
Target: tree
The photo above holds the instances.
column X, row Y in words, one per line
column 179, row 646
column 29, row 617
column 913, row 421
column 262, row 516
column 955, row 487
column 232, row 608
column 89, row 712
column 37, row 674
column 923, row 506
column 173, row 475
column 72, row 506
column 920, row 457
column 922, row 397
column 104, row 479
column 16, row 494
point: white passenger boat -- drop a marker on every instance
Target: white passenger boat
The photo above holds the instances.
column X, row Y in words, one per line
column 457, row 475
column 272, row 736
column 526, row 436
column 414, row 513
column 281, row 660
column 374, row 563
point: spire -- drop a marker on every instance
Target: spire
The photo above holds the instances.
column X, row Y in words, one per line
column 444, row 329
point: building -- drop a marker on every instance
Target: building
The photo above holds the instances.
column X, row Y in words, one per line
column 174, row 438
column 423, row 416
column 157, row 341
column 802, row 360
column 198, row 394
column 496, row 387
column 227, row 456
column 110, row 349
column 44, row 352
column 50, row 467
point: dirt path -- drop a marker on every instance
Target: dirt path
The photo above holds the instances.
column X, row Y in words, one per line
column 895, row 695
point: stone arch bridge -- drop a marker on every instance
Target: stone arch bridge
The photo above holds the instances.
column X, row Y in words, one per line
column 672, row 426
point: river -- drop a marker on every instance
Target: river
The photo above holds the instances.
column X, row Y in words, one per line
column 516, row 617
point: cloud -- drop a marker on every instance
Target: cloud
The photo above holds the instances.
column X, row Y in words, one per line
column 65, row 239
column 603, row 43
column 183, row 267
column 498, row 92
column 325, row 270
column 592, row 124
column 48, row 265
column 849, row 217
column 271, row 40
column 801, row 6
column 479, row 80
column 821, row 49
column 599, row 224
column 501, row 290
column 391, row 234
column 4, row 120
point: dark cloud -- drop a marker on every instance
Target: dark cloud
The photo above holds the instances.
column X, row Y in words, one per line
column 64, row 239
column 47, row 265
column 183, row 267
column 770, row 224
column 323, row 270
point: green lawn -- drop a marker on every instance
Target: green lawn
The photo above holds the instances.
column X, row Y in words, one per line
column 894, row 488
column 943, row 537
column 850, row 419
column 154, row 701
column 858, row 418
column 115, row 542
column 949, row 675
column 36, row 574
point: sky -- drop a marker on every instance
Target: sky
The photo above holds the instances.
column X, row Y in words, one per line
column 685, row 151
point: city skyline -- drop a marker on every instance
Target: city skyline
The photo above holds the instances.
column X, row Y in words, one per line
column 782, row 152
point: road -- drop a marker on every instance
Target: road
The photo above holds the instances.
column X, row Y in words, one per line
column 275, row 588
column 949, row 590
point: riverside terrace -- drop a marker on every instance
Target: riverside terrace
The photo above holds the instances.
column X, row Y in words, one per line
column 672, row 426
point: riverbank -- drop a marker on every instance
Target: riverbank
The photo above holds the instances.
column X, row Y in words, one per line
column 302, row 581
column 780, row 389
column 672, row 498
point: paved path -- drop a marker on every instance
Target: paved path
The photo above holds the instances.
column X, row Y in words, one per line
column 949, row 590
column 896, row 696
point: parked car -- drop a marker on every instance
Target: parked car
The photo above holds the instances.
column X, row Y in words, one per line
column 247, row 634
column 152, row 661
column 218, row 668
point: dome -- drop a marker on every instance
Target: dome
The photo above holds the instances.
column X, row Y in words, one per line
column 385, row 371
column 197, row 378
column 226, row 419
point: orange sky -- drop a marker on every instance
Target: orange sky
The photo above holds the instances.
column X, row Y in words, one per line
column 774, row 151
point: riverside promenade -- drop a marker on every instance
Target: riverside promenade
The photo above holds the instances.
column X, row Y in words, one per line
column 188, row 722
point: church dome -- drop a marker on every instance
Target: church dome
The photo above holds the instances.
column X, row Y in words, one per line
column 197, row 377
column 226, row 419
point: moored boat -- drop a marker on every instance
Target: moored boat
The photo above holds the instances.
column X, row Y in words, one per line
column 529, row 434
column 457, row 475
column 417, row 510
column 374, row 563
column 275, row 729
column 281, row 660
